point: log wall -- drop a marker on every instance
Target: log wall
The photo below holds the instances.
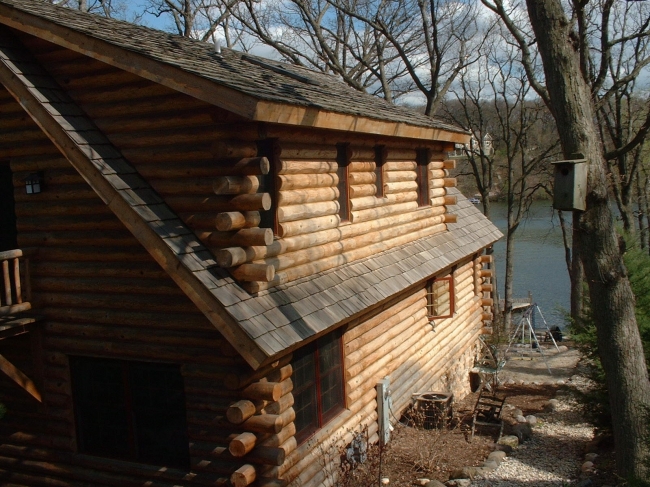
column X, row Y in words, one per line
column 207, row 164
column 418, row 356
column 102, row 295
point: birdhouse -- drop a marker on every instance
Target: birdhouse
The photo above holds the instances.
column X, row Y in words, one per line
column 570, row 191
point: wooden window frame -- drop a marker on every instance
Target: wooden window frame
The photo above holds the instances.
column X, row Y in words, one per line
column 422, row 177
column 380, row 160
column 430, row 302
column 342, row 171
column 313, row 387
column 127, row 404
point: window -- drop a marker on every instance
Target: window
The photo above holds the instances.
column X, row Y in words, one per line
column 268, row 148
column 440, row 297
column 380, row 159
column 130, row 410
column 422, row 177
column 7, row 214
column 317, row 384
column 343, row 160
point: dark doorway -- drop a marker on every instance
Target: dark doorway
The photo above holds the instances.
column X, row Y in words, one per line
column 7, row 212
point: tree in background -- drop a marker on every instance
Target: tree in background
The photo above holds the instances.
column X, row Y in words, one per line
column 494, row 97
column 559, row 38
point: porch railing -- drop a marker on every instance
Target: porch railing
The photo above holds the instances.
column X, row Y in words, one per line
column 15, row 291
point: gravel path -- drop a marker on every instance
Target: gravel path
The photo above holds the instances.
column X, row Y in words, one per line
column 555, row 453
column 552, row 457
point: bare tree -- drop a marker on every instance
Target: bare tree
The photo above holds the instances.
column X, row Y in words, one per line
column 198, row 19
column 496, row 97
column 108, row 8
column 563, row 43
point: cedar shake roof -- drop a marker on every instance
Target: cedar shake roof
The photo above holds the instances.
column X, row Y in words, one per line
column 261, row 327
column 254, row 77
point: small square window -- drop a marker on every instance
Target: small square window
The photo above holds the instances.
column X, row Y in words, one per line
column 440, row 297
column 130, row 410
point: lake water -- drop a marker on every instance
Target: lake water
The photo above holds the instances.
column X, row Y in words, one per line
column 539, row 265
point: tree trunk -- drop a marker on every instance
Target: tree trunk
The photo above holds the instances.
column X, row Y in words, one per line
column 577, row 278
column 509, row 273
column 612, row 300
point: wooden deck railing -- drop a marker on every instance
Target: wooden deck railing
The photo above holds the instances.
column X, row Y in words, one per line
column 15, row 292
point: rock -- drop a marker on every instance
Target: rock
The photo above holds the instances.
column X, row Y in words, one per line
column 507, row 449
column 434, row 483
column 517, row 412
column 522, row 431
column 469, row 473
column 531, row 420
column 511, row 441
column 520, row 419
column 490, row 465
column 590, row 457
column 551, row 405
column 562, row 348
column 497, row 456
column 459, row 483
column 422, row 481
column 587, row 467
column 560, row 382
column 385, row 481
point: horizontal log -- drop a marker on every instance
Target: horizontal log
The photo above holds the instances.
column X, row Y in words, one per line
column 400, row 187
column 242, row 444
column 450, row 182
column 229, row 149
column 289, row 198
column 225, row 185
column 398, row 155
column 486, row 259
column 306, row 181
column 486, row 273
column 280, row 374
column 357, row 204
column 485, row 316
column 280, row 438
column 383, row 211
column 267, row 391
column 307, row 210
column 182, row 186
column 361, row 153
column 264, row 423
column 235, row 220
column 253, row 272
column 289, row 150
column 486, row 330
column 487, row 302
column 437, row 192
column 213, row 203
column 362, row 190
column 486, row 288
column 301, row 227
column 245, row 237
column 240, row 411
column 437, row 173
column 449, row 164
column 450, row 218
column 361, row 166
column 399, row 176
column 357, row 178
column 450, row 200
column 280, row 406
column 307, row 167
column 243, row 476
column 400, row 165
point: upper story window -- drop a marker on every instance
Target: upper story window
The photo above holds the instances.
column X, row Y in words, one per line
column 130, row 410
column 380, row 159
column 343, row 161
column 440, row 297
column 422, row 177
column 268, row 218
column 318, row 389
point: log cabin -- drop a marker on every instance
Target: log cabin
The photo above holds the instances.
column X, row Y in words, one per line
column 211, row 259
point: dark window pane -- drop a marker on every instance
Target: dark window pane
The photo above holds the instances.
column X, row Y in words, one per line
column 130, row 410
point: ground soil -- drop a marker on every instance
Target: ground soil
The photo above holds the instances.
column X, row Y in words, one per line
column 416, row 453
